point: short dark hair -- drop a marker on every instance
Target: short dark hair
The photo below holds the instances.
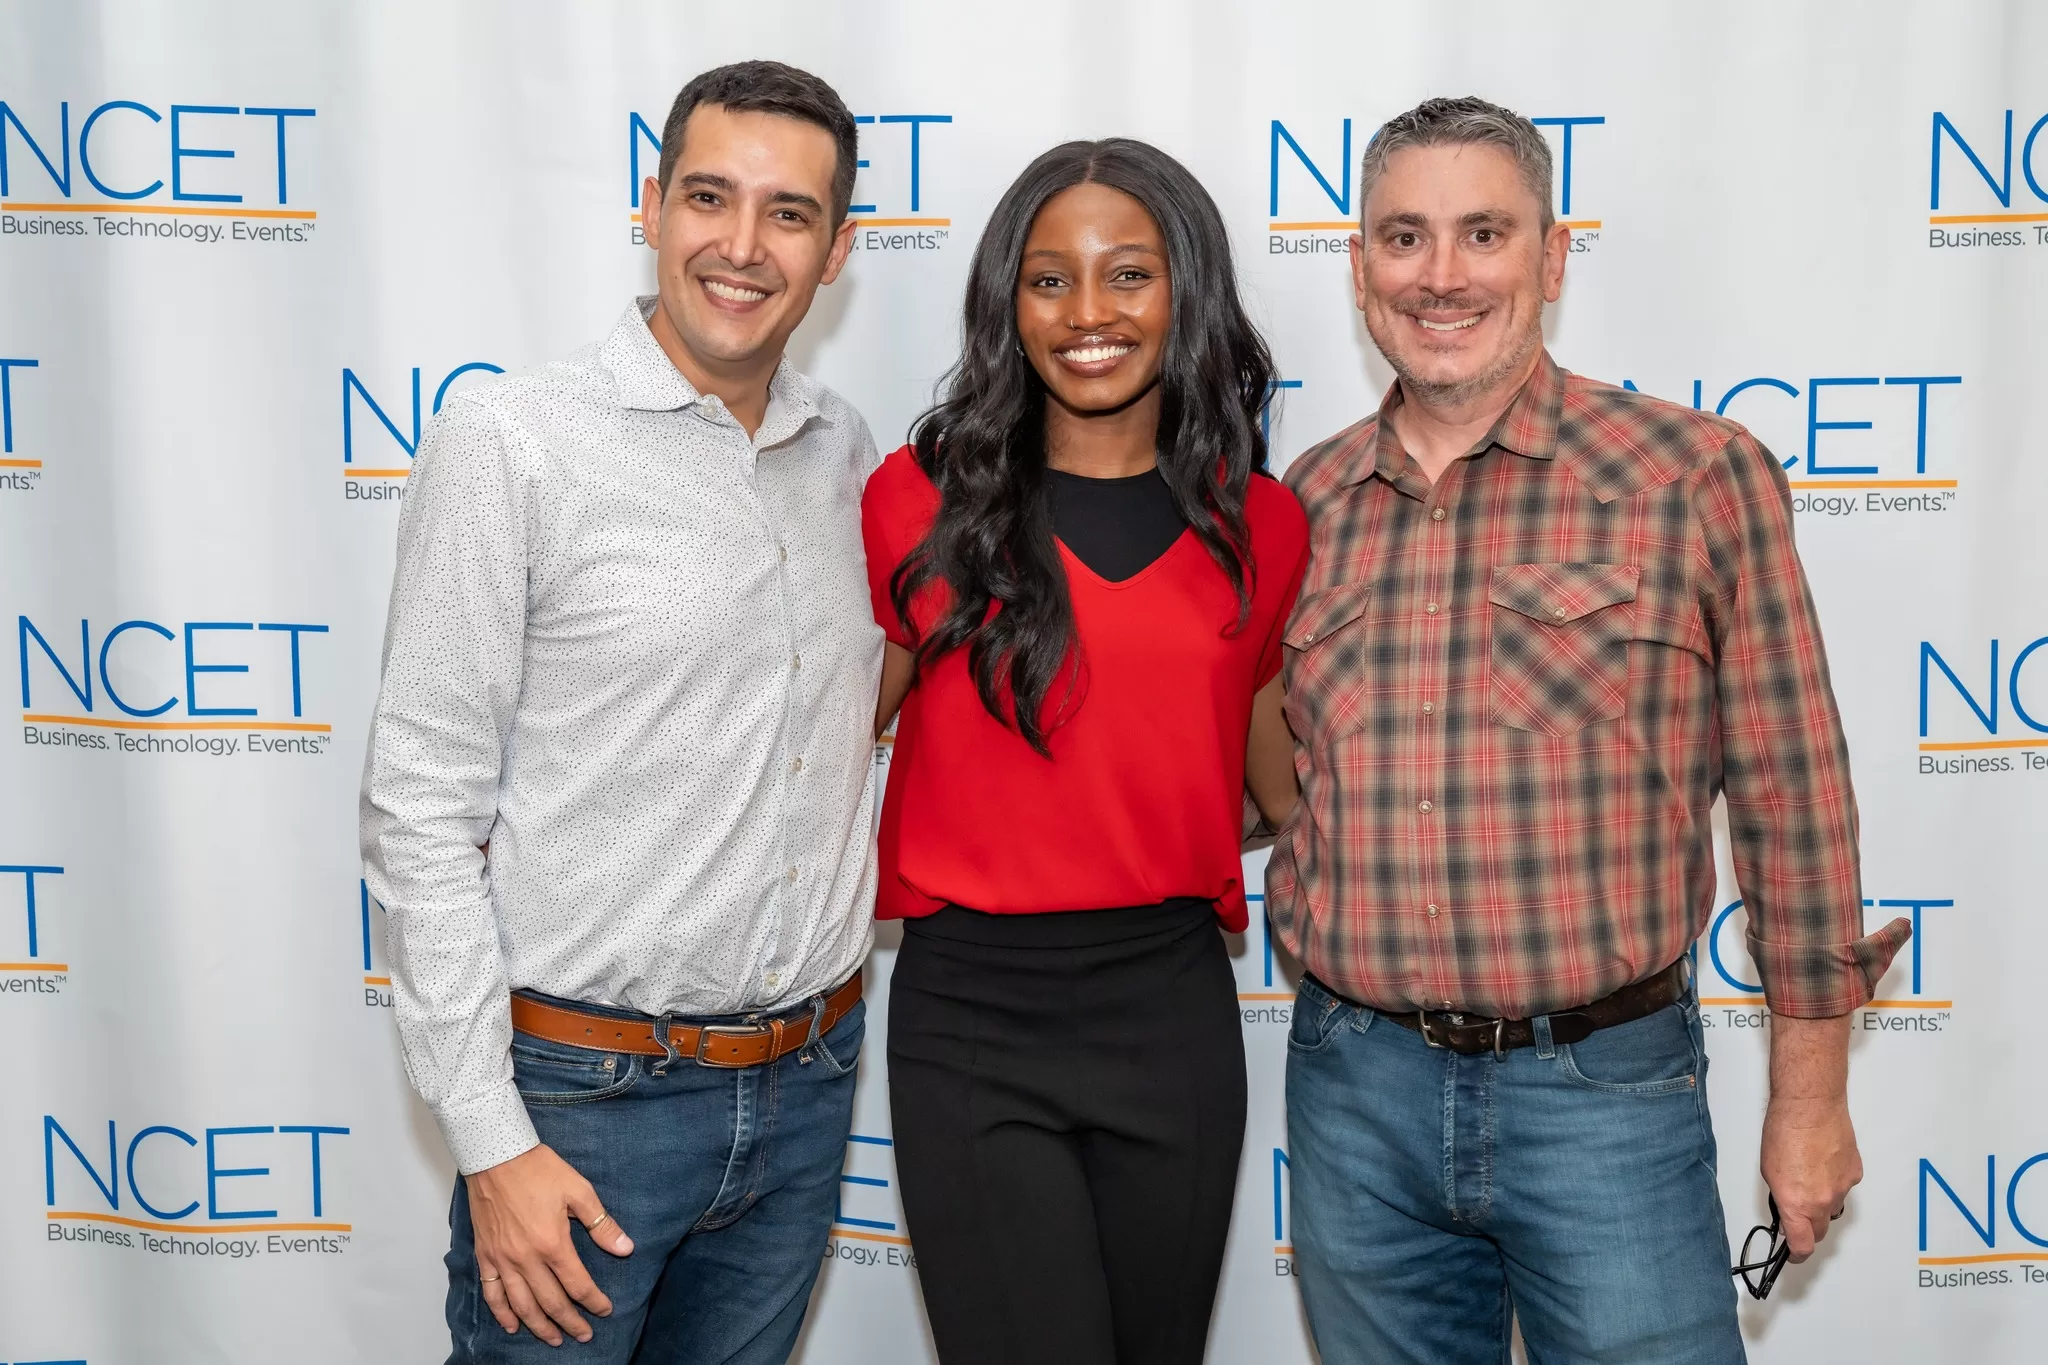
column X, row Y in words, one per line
column 768, row 88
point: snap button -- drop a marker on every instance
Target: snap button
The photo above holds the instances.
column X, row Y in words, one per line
column 1432, row 609
column 1426, row 807
column 1437, row 515
column 1559, row 612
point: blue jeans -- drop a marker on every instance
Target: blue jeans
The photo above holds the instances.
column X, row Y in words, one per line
column 727, row 1181
column 1437, row 1197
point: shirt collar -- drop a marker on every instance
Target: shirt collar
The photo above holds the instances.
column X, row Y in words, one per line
column 649, row 381
column 1527, row 427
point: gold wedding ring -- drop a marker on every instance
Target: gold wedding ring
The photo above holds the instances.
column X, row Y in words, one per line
column 602, row 1219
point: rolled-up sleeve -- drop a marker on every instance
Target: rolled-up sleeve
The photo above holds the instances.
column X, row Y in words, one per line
column 451, row 672
column 1791, row 810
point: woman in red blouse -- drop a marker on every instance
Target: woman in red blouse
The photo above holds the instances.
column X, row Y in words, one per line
column 1083, row 571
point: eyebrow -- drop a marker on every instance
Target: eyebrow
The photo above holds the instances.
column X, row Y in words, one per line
column 1499, row 218
column 709, row 180
column 1121, row 249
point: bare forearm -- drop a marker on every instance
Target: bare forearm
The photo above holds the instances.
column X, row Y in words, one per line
column 1269, row 757
column 1809, row 1060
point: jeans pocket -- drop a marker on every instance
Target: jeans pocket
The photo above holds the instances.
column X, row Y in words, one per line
column 1559, row 656
column 1315, row 1020
column 1654, row 1055
column 839, row 1050
column 554, row 1074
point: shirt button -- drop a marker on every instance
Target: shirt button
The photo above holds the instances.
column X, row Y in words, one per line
column 1432, row 912
column 772, row 980
column 791, row 874
column 796, row 765
column 782, row 553
column 796, row 661
column 1429, row 708
column 1432, row 608
column 1437, row 515
column 1559, row 612
column 1425, row 807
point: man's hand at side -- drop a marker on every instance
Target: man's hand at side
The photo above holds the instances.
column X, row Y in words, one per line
column 520, row 1210
column 1810, row 1159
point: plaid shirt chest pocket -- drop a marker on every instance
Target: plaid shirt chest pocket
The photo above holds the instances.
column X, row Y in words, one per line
column 1325, row 663
column 1558, row 660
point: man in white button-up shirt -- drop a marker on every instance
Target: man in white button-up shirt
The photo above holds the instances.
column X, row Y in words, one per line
column 620, row 780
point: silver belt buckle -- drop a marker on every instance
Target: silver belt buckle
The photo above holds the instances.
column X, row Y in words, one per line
column 706, row 1032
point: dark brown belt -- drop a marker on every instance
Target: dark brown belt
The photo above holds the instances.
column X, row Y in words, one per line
column 1464, row 1034
column 733, row 1045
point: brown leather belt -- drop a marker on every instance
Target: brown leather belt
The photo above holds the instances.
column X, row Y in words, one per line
column 1464, row 1034
column 729, row 1045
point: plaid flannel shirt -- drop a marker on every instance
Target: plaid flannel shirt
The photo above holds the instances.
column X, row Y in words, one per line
column 1516, row 693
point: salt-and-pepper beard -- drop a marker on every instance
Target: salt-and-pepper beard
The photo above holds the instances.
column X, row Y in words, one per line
column 1461, row 391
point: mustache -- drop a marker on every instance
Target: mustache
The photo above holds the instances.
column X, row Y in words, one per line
column 1425, row 302
column 768, row 279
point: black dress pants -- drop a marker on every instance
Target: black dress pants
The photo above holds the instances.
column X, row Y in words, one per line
column 1068, row 1100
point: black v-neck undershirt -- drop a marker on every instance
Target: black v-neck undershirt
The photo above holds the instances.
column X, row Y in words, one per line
column 1117, row 527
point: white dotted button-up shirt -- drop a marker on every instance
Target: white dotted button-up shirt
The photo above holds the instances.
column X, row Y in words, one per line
column 603, row 587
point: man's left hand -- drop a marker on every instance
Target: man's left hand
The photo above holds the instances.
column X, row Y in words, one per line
column 1810, row 1159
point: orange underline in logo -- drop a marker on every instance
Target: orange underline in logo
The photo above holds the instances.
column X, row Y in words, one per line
column 1873, row 483
column 376, row 981
column 1873, row 1005
column 21, row 464
column 35, row 966
column 176, row 209
column 872, row 1237
column 201, row 1231
column 1989, row 218
column 1283, row 1251
column 375, row 473
column 1984, row 744
column 1265, row 995
column 104, row 724
column 1981, row 1260
column 903, row 222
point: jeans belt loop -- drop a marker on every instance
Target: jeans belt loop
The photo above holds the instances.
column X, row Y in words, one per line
column 670, row 1055
column 1540, row 1027
column 811, row 1038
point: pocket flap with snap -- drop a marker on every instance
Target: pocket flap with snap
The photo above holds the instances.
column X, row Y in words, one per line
column 1322, row 614
column 1560, row 593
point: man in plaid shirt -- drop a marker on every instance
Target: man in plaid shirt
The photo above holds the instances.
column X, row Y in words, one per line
column 1545, row 623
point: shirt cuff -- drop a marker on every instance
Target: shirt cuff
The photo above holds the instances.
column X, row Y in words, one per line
column 1826, row 980
column 486, row 1129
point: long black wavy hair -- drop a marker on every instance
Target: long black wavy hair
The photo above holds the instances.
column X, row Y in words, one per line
column 983, row 442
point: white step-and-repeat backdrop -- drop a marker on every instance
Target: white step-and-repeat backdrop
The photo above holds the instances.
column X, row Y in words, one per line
column 246, row 250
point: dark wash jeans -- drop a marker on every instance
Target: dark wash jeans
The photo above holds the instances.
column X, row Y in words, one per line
column 727, row 1181
column 1436, row 1197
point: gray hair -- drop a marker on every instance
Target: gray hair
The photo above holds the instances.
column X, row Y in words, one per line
column 1464, row 121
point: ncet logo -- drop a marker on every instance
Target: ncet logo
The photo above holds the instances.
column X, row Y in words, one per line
column 1731, row 994
column 892, row 178
column 872, row 1234
column 176, row 676
column 1283, row 1215
column 1265, row 999
column 1297, row 222
column 19, row 472
column 1886, row 471
column 2010, row 694
column 35, row 973
column 1952, row 173
column 219, row 1172
column 1950, row 1227
column 376, row 980
column 174, row 173
column 358, row 401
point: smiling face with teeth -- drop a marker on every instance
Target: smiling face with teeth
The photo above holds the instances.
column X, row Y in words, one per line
column 1094, row 302
column 1453, row 272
